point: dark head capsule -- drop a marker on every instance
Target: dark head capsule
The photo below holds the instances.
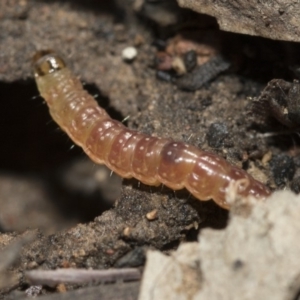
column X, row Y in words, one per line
column 46, row 62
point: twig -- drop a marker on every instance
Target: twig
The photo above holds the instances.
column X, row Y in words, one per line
column 53, row 277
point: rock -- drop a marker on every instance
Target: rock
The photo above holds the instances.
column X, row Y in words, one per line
column 277, row 20
column 129, row 54
column 255, row 257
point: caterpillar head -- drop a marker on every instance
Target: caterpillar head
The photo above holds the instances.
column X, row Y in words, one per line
column 46, row 62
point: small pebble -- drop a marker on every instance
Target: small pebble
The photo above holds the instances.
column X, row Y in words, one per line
column 283, row 168
column 217, row 132
column 164, row 76
column 132, row 259
column 190, row 60
column 152, row 215
column 129, row 53
column 127, row 231
column 178, row 66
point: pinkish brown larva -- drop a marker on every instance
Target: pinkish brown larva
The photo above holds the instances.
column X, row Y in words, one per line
column 151, row 160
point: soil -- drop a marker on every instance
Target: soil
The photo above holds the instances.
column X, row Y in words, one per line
column 77, row 215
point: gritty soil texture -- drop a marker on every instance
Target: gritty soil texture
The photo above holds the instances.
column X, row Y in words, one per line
column 36, row 157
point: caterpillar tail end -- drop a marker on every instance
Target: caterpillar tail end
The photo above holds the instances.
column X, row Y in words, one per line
column 46, row 62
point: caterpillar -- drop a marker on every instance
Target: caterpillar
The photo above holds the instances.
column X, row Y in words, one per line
column 129, row 153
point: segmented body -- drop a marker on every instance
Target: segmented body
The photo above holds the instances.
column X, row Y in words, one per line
column 151, row 160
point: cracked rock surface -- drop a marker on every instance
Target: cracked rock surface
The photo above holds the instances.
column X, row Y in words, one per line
column 272, row 19
column 255, row 257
